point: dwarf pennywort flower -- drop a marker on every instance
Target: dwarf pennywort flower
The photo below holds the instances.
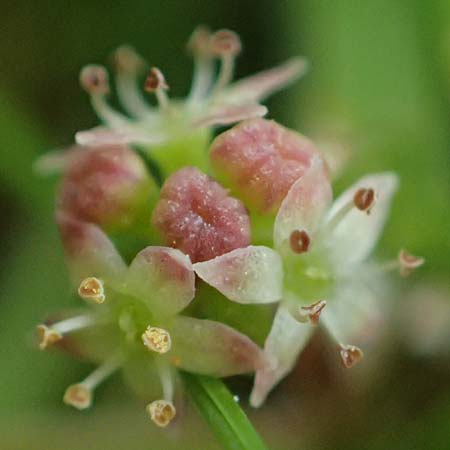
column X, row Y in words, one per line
column 323, row 247
column 176, row 132
column 135, row 315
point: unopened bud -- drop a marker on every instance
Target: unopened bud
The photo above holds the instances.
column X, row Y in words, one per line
column 161, row 412
column 108, row 186
column 157, row 339
column 260, row 160
column 350, row 355
column 79, row 396
column 196, row 215
column 94, row 80
column 47, row 336
column 92, row 289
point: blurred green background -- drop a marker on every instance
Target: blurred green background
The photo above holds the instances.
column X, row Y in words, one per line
column 379, row 90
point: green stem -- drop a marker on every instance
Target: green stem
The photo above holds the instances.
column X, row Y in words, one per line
column 226, row 418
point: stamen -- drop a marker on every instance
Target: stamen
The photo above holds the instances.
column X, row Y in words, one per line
column 156, row 83
column 313, row 312
column 161, row 412
column 94, row 79
column 299, row 241
column 80, row 395
column 157, row 340
column 350, row 355
column 408, row 262
column 405, row 263
column 129, row 65
column 50, row 334
column 92, row 289
column 364, row 199
column 199, row 45
column 226, row 45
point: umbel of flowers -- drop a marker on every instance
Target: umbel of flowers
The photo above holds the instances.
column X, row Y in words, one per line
column 259, row 229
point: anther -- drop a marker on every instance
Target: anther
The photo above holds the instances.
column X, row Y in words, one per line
column 299, row 241
column 350, row 355
column 92, row 289
column 225, row 42
column 127, row 60
column 157, row 340
column 199, row 42
column 161, row 412
column 155, row 81
column 94, row 80
column 408, row 262
column 364, row 199
column 313, row 312
column 79, row 396
column 47, row 336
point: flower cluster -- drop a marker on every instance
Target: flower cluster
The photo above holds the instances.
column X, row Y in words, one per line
column 260, row 230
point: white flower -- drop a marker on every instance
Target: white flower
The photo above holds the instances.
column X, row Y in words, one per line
column 212, row 100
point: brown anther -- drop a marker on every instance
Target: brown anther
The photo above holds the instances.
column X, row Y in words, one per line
column 94, row 79
column 157, row 340
column 299, row 241
column 155, row 80
column 225, row 42
column 78, row 395
column 47, row 336
column 350, row 355
column 92, row 289
column 161, row 412
column 313, row 311
column 199, row 41
column 408, row 262
column 127, row 60
column 364, row 199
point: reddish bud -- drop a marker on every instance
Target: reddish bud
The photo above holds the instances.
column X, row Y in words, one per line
column 106, row 185
column 261, row 160
column 196, row 215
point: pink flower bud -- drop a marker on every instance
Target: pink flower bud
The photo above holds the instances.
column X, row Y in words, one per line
column 196, row 215
column 107, row 185
column 260, row 160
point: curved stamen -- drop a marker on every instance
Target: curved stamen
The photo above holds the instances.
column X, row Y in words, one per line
column 313, row 312
column 80, row 395
column 203, row 63
column 50, row 334
column 129, row 65
column 405, row 263
column 363, row 201
column 225, row 45
column 94, row 80
column 156, row 83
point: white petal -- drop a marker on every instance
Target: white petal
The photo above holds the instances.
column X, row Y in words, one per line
column 105, row 136
column 259, row 86
column 285, row 342
column 226, row 114
column 163, row 278
column 253, row 274
column 354, row 314
column 354, row 237
column 305, row 203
